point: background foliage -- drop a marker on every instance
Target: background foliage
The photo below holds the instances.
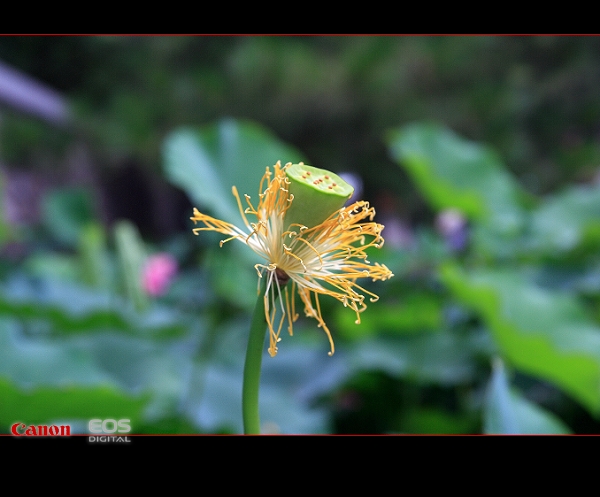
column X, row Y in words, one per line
column 480, row 155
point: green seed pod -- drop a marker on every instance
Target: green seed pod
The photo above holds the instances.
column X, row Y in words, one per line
column 317, row 194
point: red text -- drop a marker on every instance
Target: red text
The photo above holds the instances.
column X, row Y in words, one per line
column 20, row 429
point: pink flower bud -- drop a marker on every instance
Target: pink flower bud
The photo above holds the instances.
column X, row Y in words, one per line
column 159, row 271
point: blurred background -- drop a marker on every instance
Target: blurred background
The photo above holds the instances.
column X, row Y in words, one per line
column 481, row 156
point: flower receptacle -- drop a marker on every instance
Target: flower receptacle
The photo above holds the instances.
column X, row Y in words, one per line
column 317, row 194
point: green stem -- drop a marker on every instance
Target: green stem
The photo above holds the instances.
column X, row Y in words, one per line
column 252, row 366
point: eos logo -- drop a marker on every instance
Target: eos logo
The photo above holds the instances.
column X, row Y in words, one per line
column 109, row 426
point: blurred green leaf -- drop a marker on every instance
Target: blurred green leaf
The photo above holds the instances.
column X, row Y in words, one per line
column 444, row 358
column 66, row 212
column 57, row 308
column 500, row 413
column 93, row 265
column 507, row 412
column 438, row 421
column 566, row 220
column 207, row 162
column 542, row 332
column 414, row 313
column 132, row 255
column 96, row 265
column 455, row 173
column 169, row 425
column 53, row 265
column 232, row 278
column 44, row 404
column 75, row 375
